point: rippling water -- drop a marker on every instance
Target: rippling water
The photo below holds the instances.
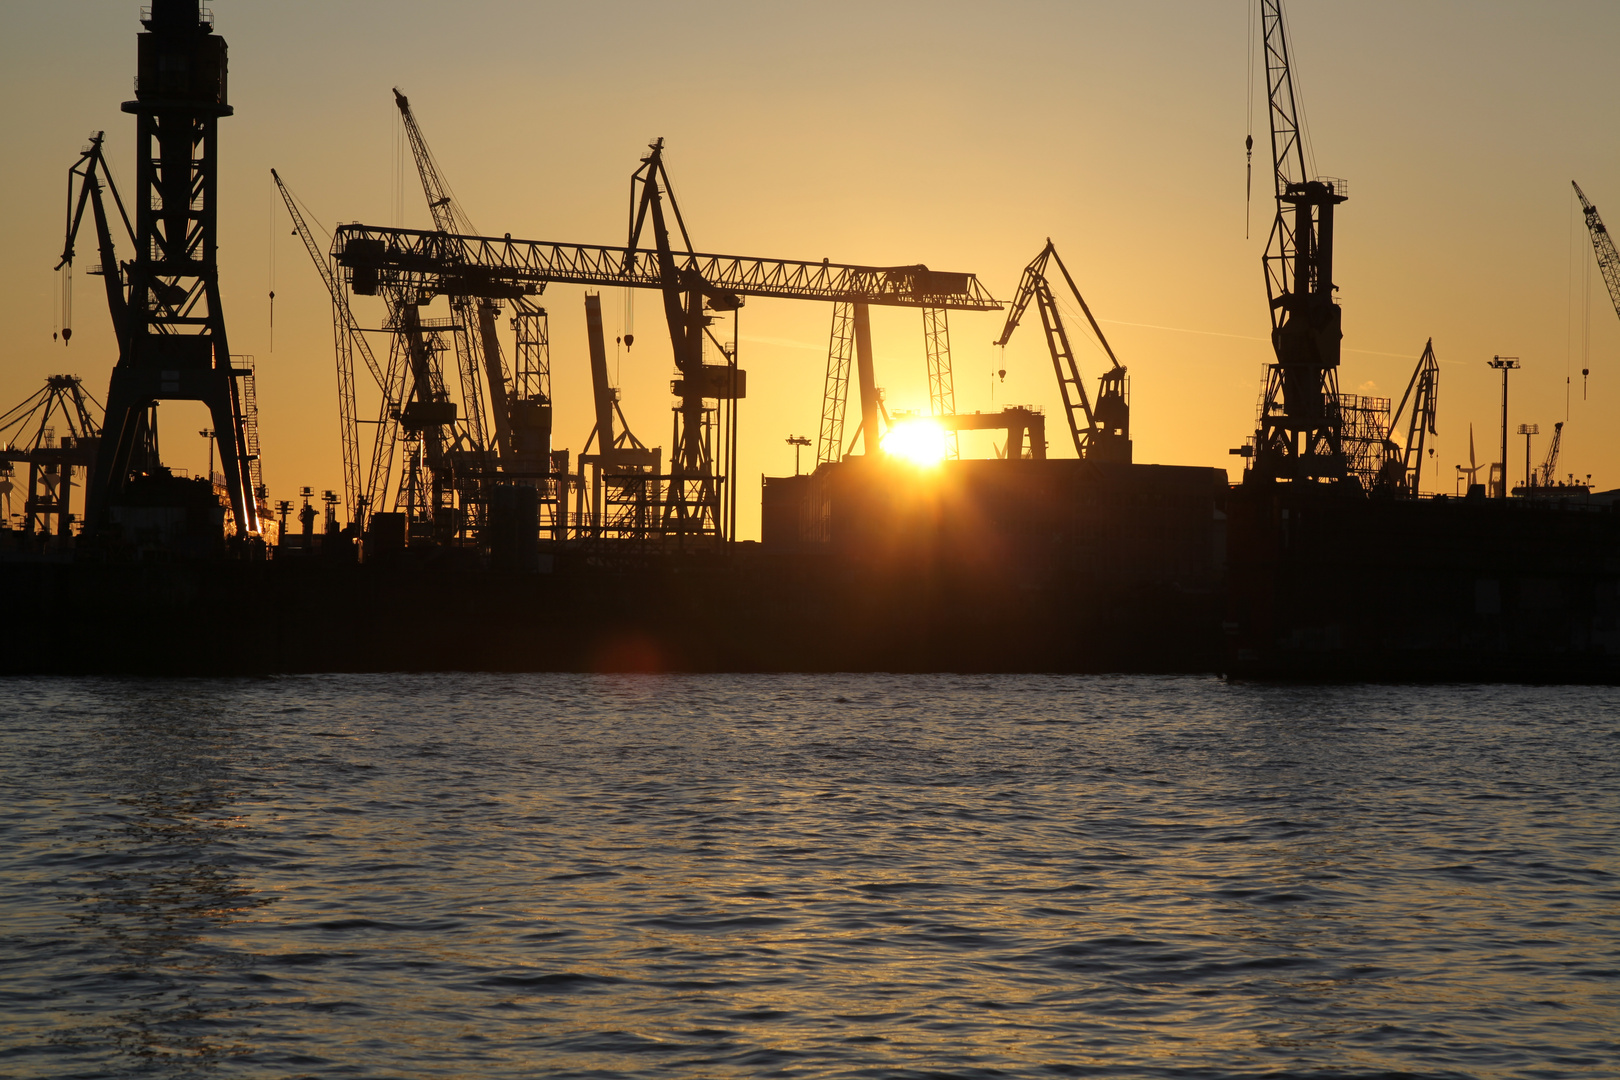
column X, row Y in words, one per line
column 874, row 876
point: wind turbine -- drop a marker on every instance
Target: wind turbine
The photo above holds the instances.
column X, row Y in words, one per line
column 1473, row 467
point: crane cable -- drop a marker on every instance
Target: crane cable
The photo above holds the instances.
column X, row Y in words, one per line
column 273, row 199
column 1248, row 141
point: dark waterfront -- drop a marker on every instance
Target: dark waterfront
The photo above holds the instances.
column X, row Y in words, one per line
column 513, row 876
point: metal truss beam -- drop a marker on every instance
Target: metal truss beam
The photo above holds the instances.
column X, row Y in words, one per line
column 436, row 263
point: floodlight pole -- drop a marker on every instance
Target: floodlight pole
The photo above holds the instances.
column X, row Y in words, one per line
column 1504, row 364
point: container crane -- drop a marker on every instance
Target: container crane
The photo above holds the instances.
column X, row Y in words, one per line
column 1403, row 462
column 1100, row 434
column 1300, row 427
column 1603, row 246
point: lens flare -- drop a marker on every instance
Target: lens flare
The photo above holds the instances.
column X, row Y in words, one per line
column 919, row 440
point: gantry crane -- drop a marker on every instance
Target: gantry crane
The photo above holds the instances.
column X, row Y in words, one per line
column 1403, row 462
column 424, row 264
column 1298, row 436
column 850, row 345
column 1603, row 245
column 1100, row 434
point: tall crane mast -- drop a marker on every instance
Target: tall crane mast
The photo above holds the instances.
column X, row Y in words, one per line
column 472, row 352
column 174, row 344
column 1100, row 434
column 1300, row 427
column 1603, row 245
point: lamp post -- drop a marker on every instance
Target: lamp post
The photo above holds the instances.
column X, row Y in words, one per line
column 797, row 442
column 1527, row 430
column 208, row 433
column 1504, row 364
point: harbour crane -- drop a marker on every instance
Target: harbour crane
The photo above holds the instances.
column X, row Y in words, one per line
column 173, row 343
column 448, row 217
column 1300, row 426
column 1547, row 474
column 347, row 340
column 1603, row 246
column 1100, row 434
column 693, row 503
column 28, row 436
column 1403, row 462
column 519, row 409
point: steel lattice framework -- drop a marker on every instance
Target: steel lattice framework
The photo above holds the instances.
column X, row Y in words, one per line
column 941, row 385
column 835, row 395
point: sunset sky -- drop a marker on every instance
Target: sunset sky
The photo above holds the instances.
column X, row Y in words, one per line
column 956, row 135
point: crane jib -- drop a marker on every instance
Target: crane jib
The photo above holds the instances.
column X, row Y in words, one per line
column 501, row 268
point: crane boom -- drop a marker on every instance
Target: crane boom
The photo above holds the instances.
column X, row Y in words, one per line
column 471, row 348
column 447, row 215
column 90, row 162
column 1549, row 467
column 435, row 263
column 1603, row 245
column 347, row 340
column 1103, row 433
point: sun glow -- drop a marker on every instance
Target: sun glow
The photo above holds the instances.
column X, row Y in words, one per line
column 918, row 440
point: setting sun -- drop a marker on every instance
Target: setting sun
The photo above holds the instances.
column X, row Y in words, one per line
column 918, row 440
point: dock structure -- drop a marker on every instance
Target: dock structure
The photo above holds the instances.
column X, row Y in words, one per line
column 894, row 552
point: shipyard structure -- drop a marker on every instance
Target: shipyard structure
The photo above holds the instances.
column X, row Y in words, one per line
column 463, row 538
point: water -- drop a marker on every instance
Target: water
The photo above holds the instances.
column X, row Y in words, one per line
column 861, row 876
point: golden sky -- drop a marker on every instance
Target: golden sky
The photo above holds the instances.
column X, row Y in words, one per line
column 956, row 135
